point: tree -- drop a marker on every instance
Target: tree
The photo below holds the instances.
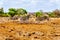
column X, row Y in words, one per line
column 2, row 14
column 57, row 12
column 39, row 14
column 5, row 15
column 12, row 12
column 21, row 11
column 1, row 11
column 51, row 14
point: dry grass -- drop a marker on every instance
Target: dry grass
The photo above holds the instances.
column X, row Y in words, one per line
column 49, row 30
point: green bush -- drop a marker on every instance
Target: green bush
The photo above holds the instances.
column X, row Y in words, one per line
column 21, row 11
column 51, row 14
column 12, row 12
column 38, row 14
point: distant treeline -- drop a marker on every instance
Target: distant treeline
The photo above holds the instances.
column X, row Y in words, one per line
column 22, row 12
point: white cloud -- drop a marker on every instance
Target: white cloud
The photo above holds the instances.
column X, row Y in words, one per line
column 31, row 4
column 54, row 1
column 1, row 3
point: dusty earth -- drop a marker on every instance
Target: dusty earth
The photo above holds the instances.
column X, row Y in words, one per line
column 14, row 30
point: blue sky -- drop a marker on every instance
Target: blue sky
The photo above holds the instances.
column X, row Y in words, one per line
column 31, row 5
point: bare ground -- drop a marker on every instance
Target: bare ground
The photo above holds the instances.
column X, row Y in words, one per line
column 14, row 30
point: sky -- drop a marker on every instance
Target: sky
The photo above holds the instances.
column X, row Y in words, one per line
column 31, row 5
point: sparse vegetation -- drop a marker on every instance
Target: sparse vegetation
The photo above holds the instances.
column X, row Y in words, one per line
column 23, row 14
column 51, row 14
column 20, row 11
column 35, row 26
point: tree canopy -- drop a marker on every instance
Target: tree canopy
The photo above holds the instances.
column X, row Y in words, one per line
column 20, row 11
column 12, row 12
column 39, row 14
